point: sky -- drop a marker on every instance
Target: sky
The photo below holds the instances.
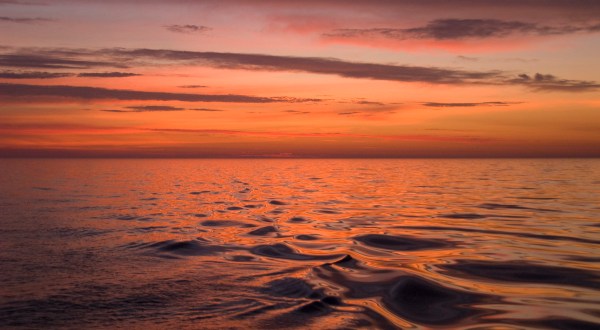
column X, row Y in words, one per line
column 249, row 78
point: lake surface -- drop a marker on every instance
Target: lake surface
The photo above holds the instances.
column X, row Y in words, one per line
column 317, row 244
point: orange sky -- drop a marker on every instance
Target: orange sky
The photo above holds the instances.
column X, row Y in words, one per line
column 244, row 78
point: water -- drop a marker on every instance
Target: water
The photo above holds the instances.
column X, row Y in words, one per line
column 319, row 244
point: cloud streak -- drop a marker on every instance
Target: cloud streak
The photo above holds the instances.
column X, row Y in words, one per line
column 108, row 74
column 31, row 60
column 317, row 65
column 460, row 29
column 7, row 74
column 192, row 86
column 115, row 57
column 548, row 82
column 406, row 137
column 207, row 110
column 11, row 74
column 65, row 128
column 188, row 28
column 17, row 2
column 146, row 108
column 467, row 104
column 375, row 103
column 60, row 128
column 25, row 20
column 155, row 108
column 97, row 93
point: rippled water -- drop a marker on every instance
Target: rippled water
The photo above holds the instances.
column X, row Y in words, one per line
column 321, row 244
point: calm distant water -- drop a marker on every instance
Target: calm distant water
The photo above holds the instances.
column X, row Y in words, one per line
column 318, row 244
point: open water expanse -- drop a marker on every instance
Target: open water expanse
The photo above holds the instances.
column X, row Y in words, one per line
column 313, row 244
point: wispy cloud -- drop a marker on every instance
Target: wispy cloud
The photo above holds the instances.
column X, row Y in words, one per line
column 316, row 65
column 32, row 60
column 25, row 20
column 405, row 137
column 108, row 74
column 27, row 126
column 116, row 110
column 18, row 2
column 467, row 104
column 155, row 108
column 188, row 28
column 299, row 112
column 192, row 86
column 18, row 74
column 380, row 113
column 96, row 93
column 65, row 128
column 119, row 57
column 207, row 110
column 8, row 74
column 548, row 82
column 467, row 58
column 146, row 108
column 364, row 102
column 457, row 29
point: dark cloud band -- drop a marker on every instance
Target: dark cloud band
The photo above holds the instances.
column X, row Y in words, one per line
column 107, row 74
column 457, row 29
column 316, row 65
column 96, row 93
column 29, row 59
column 115, row 57
column 7, row 74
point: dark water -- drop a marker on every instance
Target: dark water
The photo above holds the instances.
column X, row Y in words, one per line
column 319, row 244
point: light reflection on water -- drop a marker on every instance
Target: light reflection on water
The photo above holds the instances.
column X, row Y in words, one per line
column 322, row 244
